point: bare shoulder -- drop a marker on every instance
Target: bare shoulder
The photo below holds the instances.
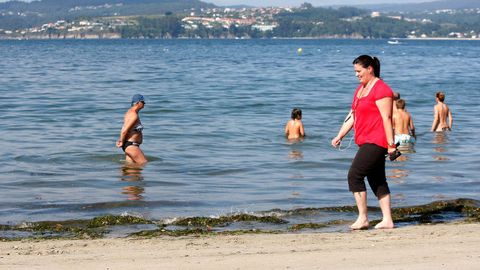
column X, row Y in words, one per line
column 131, row 114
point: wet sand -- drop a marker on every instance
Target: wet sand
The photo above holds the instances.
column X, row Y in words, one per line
column 444, row 246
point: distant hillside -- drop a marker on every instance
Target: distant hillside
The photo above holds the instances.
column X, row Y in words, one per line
column 16, row 14
column 426, row 6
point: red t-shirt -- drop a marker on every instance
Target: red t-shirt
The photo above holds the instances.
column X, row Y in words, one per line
column 368, row 120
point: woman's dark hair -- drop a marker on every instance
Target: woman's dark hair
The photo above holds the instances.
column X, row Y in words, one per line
column 296, row 113
column 367, row 61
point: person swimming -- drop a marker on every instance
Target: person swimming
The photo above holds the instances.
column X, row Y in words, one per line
column 294, row 127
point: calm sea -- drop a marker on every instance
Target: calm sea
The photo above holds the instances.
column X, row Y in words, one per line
column 214, row 118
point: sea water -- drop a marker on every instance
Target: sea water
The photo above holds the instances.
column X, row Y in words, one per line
column 214, row 125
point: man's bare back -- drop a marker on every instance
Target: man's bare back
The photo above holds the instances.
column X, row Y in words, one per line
column 294, row 129
column 402, row 122
column 441, row 114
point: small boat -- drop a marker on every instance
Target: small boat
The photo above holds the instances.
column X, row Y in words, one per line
column 395, row 41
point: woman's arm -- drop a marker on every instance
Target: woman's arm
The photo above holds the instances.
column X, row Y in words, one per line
column 412, row 127
column 450, row 119
column 384, row 105
column 346, row 127
column 130, row 119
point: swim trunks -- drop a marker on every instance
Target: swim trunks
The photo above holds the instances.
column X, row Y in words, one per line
column 404, row 139
column 129, row 143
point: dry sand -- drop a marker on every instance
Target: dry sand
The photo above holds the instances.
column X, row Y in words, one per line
column 447, row 246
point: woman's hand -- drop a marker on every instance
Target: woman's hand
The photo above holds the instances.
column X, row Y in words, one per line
column 336, row 141
column 119, row 143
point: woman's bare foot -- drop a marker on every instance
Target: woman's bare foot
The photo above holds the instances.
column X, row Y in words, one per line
column 360, row 224
column 385, row 224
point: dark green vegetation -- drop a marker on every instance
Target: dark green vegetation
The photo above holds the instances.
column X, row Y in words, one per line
column 465, row 210
column 222, row 221
column 344, row 22
column 435, row 212
column 315, row 23
column 23, row 15
column 168, row 26
column 163, row 19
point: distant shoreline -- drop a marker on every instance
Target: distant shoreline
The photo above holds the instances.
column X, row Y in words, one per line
column 438, row 38
column 274, row 38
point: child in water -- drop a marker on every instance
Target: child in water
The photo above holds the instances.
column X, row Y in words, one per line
column 403, row 125
column 294, row 127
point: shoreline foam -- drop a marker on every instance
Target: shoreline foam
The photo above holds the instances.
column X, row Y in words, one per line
column 325, row 219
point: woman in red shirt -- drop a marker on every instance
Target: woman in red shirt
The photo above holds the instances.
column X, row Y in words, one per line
column 371, row 117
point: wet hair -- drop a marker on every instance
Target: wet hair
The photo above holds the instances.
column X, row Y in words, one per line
column 367, row 61
column 440, row 96
column 296, row 113
column 400, row 104
column 396, row 95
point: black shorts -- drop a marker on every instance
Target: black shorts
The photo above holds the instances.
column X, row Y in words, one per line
column 128, row 143
column 369, row 162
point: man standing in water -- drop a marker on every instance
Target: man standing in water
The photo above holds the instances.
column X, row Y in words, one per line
column 440, row 115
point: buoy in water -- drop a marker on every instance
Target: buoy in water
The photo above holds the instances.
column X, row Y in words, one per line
column 299, row 50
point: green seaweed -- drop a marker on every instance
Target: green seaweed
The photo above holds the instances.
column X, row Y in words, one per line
column 195, row 232
column 303, row 226
column 165, row 232
column 425, row 213
column 224, row 221
column 110, row 220
column 436, row 212
column 73, row 228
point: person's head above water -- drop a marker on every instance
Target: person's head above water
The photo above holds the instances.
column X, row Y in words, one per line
column 137, row 98
column 440, row 96
column 400, row 103
column 367, row 61
column 296, row 113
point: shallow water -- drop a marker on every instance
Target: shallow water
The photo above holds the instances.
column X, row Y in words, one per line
column 214, row 123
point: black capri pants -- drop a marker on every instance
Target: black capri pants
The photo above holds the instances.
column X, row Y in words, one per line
column 369, row 162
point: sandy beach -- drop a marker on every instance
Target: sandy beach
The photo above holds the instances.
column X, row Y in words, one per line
column 445, row 246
